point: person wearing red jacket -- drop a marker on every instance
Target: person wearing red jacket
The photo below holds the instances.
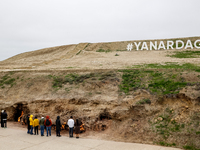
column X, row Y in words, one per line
column 48, row 124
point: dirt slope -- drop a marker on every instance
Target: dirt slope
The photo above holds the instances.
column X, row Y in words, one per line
column 92, row 56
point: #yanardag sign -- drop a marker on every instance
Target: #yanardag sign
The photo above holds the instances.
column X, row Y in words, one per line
column 179, row 44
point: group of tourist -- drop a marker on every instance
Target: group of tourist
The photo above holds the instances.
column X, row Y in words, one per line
column 35, row 123
column 4, row 119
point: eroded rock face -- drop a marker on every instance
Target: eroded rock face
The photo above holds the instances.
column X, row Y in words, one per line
column 100, row 105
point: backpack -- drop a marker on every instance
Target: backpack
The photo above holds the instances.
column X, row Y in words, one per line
column 47, row 122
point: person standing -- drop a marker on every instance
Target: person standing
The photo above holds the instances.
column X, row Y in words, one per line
column 2, row 125
column 5, row 119
column 71, row 126
column 42, row 126
column 35, row 125
column 77, row 128
column 48, row 124
column 31, row 124
column 28, row 123
column 58, row 126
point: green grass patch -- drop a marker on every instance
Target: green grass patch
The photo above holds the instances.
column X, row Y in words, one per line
column 166, row 126
column 79, row 52
column 186, row 54
column 7, row 80
column 156, row 82
column 59, row 81
column 69, row 67
column 144, row 101
column 102, row 50
column 70, row 78
column 166, row 144
column 169, row 65
column 198, row 132
column 188, row 147
column 121, row 50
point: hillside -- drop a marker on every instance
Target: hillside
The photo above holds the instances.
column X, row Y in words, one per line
column 93, row 56
column 138, row 96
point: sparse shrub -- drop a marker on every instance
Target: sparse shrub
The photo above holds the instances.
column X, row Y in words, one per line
column 186, row 54
column 188, row 147
column 79, row 52
column 121, row 50
column 198, row 132
column 70, row 78
column 10, row 81
column 7, row 80
column 102, row 50
column 144, row 101
column 170, row 65
column 166, row 144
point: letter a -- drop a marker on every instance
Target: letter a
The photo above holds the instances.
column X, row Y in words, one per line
column 161, row 45
column 144, row 46
column 188, row 44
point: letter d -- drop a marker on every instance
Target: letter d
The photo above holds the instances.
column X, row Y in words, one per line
column 177, row 42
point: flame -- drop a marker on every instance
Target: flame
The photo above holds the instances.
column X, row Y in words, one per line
column 63, row 126
column 82, row 128
column 20, row 116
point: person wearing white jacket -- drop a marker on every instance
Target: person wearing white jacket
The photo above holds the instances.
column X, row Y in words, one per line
column 71, row 126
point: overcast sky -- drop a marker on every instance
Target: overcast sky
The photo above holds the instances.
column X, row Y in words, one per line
column 27, row 25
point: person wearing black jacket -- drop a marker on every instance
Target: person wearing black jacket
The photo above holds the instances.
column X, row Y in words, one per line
column 2, row 125
column 28, row 123
column 5, row 119
column 77, row 128
column 58, row 126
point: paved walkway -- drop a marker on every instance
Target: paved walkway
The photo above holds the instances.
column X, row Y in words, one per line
column 14, row 139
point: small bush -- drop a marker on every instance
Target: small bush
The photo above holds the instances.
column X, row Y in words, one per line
column 102, row 50
column 144, row 101
column 166, row 144
column 116, row 54
column 187, row 147
column 10, row 81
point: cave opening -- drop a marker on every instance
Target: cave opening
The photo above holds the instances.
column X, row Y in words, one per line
column 104, row 115
column 20, row 112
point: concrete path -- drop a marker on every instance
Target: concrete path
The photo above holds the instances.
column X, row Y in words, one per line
column 14, row 139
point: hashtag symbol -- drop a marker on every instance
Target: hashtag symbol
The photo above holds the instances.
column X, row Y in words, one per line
column 129, row 47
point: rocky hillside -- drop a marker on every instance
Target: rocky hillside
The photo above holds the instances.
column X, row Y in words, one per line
column 137, row 105
column 148, row 102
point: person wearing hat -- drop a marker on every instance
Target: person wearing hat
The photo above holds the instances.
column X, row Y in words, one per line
column 48, row 123
column 58, row 126
column 35, row 125
column 42, row 126
column 31, row 124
